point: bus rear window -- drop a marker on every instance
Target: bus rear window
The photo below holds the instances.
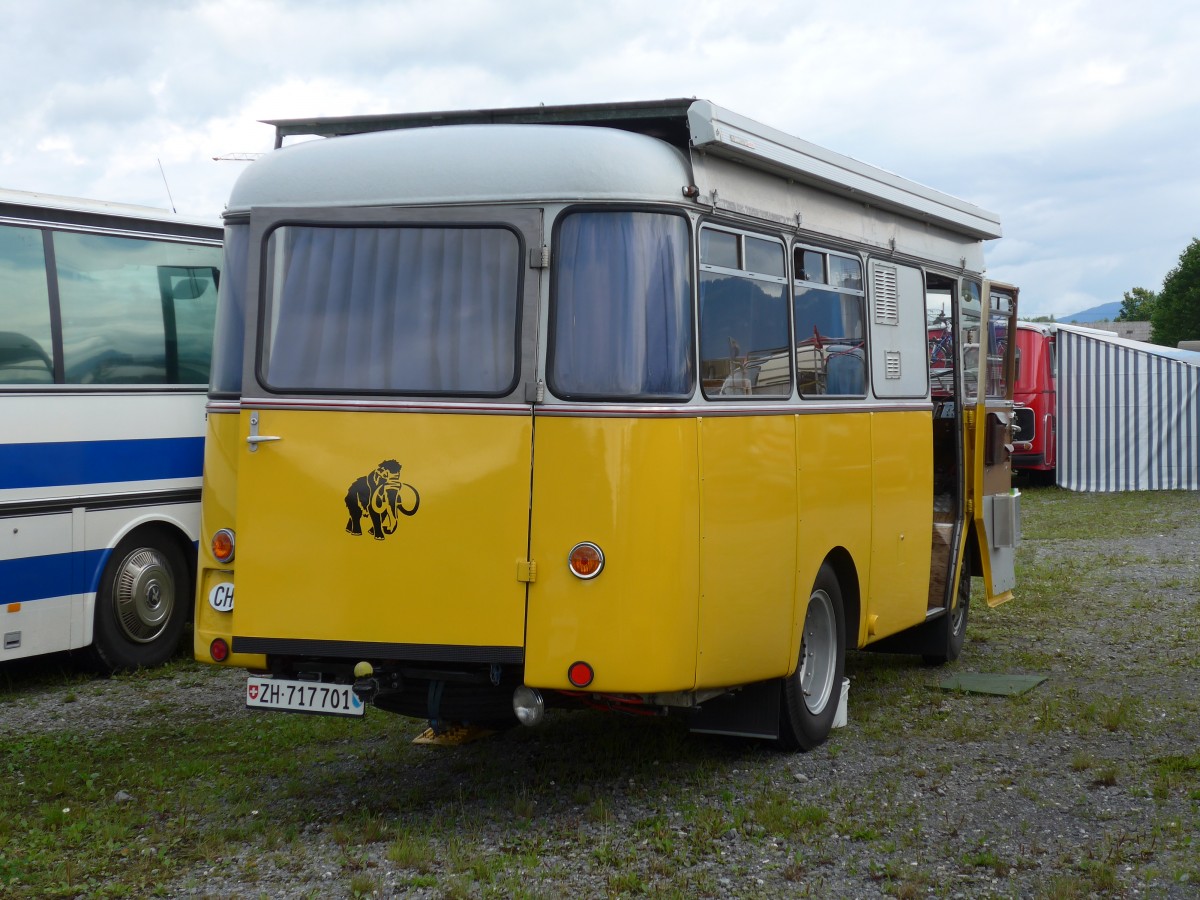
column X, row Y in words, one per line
column 405, row 310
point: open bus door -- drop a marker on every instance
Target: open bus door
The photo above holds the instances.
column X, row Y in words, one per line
column 994, row 503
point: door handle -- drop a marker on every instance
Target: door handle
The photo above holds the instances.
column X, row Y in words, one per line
column 255, row 438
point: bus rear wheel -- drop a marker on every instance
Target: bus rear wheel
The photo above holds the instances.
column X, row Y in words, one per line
column 141, row 604
column 811, row 694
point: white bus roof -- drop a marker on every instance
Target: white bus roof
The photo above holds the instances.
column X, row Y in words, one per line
column 697, row 128
column 35, row 208
column 466, row 164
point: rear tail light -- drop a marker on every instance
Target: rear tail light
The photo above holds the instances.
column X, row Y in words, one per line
column 580, row 674
column 218, row 650
column 223, row 545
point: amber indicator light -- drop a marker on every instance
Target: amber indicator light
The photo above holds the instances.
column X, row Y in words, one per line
column 586, row 560
column 222, row 545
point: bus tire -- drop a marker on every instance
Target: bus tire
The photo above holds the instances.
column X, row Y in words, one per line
column 142, row 603
column 951, row 629
column 810, row 695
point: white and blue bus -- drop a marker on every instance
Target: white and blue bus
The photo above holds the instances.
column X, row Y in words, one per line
column 106, row 317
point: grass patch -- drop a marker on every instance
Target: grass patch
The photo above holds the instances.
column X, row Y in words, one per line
column 1053, row 514
column 639, row 807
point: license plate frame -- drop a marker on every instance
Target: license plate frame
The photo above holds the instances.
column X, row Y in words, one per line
column 318, row 698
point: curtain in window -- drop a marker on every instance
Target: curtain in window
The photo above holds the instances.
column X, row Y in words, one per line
column 395, row 310
column 622, row 307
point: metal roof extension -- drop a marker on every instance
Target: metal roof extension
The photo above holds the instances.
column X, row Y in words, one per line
column 698, row 126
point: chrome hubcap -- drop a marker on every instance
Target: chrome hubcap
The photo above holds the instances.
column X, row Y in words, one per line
column 144, row 595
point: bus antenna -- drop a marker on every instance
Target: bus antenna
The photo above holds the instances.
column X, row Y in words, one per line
column 163, row 172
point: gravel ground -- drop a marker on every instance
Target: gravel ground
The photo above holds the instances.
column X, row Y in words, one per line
column 1061, row 792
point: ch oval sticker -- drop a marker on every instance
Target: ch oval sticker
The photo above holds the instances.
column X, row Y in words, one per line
column 220, row 597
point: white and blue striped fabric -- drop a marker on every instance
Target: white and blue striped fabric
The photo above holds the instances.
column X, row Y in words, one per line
column 1128, row 414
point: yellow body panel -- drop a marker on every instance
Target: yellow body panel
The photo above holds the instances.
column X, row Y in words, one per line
column 713, row 530
column 218, row 509
column 629, row 486
column 444, row 575
column 902, row 522
column 833, row 461
column 747, row 548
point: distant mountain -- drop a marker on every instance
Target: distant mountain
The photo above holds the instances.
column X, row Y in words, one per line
column 1096, row 314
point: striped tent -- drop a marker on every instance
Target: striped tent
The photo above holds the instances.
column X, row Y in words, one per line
column 1128, row 414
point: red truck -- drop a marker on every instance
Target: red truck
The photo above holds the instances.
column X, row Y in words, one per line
column 1035, row 402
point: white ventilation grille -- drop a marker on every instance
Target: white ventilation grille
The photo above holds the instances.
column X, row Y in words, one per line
column 891, row 365
column 885, row 295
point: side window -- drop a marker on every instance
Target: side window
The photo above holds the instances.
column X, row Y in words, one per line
column 830, row 324
column 621, row 315
column 189, row 295
column 26, row 346
column 743, row 316
column 969, row 326
column 1000, row 313
column 135, row 311
column 939, row 304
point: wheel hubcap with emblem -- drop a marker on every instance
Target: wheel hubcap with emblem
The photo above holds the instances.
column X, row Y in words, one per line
column 144, row 595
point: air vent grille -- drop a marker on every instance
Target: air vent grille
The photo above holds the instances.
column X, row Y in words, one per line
column 886, row 296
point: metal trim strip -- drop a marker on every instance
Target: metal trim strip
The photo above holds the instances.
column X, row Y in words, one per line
column 582, row 410
column 93, row 502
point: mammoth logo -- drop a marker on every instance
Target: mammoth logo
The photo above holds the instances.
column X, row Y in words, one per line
column 380, row 495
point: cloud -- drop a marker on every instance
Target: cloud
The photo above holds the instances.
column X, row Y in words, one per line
column 1076, row 121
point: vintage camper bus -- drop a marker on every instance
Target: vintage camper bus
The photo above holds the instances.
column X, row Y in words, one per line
column 624, row 405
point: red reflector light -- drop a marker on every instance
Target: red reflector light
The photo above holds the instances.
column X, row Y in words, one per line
column 580, row 674
column 218, row 650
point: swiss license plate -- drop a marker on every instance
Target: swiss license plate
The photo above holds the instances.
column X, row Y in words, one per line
column 302, row 696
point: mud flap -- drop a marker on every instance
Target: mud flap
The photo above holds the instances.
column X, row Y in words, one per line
column 752, row 712
column 924, row 639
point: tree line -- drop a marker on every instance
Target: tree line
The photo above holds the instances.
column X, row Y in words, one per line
column 1174, row 311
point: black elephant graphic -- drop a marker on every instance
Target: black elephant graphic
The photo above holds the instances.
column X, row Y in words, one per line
column 380, row 495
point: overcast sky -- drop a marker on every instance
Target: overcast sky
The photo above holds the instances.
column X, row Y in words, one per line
column 1077, row 122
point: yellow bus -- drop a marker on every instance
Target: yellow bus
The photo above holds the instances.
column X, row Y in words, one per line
column 622, row 405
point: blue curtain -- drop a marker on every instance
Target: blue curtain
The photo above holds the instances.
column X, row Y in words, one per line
column 395, row 310
column 622, row 319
